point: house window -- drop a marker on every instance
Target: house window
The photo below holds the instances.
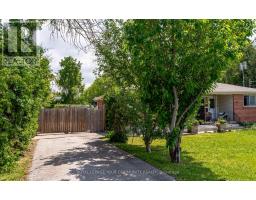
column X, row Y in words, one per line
column 249, row 100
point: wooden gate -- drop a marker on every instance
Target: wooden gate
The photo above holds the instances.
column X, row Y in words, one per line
column 72, row 119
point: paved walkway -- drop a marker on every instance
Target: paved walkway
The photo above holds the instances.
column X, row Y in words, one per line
column 85, row 157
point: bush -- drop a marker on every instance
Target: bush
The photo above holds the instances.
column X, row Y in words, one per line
column 192, row 123
column 6, row 154
column 221, row 121
column 221, row 124
column 24, row 90
column 251, row 125
column 109, row 134
column 117, row 137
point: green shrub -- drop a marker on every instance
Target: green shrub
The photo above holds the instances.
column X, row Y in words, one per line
column 253, row 126
column 221, row 124
column 191, row 123
column 121, row 113
column 118, row 137
column 24, row 90
column 6, row 154
column 221, row 121
column 109, row 134
column 248, row 124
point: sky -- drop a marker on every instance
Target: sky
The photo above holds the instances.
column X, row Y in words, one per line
column 57, row 49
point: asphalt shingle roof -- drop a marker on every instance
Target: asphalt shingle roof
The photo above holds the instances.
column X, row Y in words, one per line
column 223, row 88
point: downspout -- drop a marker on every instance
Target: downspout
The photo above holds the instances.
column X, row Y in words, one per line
column 233, row 109
column 216, row 107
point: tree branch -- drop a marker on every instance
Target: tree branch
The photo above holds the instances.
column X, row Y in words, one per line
column 188, row 108
column 175, row 109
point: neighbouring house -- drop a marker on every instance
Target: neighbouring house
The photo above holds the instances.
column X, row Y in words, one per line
column 99, row 102
column 236, row 103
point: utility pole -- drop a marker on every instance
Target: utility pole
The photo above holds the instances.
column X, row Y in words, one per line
column 243, row 66
column 251, row 83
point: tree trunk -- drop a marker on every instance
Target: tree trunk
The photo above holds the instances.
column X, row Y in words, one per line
column 148, row 147
column 175, row 110
column 175, row 153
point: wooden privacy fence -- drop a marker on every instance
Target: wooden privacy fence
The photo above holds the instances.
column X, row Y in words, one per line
column 72, row 119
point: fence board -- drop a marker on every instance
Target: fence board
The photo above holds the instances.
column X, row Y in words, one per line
column 72, row 119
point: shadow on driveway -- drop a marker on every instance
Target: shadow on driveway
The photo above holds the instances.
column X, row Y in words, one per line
column 93, row 159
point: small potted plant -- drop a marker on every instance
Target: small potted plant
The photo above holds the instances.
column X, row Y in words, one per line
column 193, row 126
column 221, row 125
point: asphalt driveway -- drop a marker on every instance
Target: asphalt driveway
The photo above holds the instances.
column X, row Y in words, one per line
column 85, row 157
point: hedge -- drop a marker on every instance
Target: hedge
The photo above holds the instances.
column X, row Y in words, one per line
column 24, row 90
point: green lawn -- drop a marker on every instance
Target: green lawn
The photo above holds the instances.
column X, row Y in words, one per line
column 20, row 170
column 218, row 156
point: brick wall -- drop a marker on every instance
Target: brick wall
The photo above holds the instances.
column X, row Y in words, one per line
column 241, row 112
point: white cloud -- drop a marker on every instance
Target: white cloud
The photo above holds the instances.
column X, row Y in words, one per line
column 57, row 49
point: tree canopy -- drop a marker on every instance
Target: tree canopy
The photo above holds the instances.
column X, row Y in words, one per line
column 234, row 75
column 172, row 63
column 70, row 80
column 100, row 87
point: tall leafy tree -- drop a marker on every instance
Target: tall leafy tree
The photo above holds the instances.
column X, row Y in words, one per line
column 70, row 80
column 234, row 75
column 172, row 63
column 100, row 87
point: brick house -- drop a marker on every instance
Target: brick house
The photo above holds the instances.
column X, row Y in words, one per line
column 238, row 103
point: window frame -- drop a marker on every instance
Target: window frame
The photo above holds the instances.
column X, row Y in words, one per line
column 250, row 96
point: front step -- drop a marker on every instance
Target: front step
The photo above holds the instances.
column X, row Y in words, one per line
column 213, row 128
column 234, row 126
column 232, row 122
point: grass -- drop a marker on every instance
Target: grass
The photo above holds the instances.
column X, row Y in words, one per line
column 218, row 156
column 20, row 170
